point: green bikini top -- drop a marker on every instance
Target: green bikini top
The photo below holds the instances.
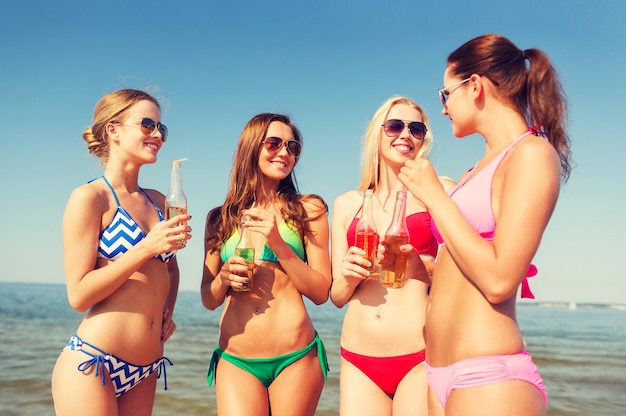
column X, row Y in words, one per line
column 289, row 234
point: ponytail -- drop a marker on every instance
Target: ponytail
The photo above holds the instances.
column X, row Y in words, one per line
column 547, row 106
column 533, row 87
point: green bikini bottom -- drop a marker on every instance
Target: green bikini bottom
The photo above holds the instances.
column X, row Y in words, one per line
column 267, row 369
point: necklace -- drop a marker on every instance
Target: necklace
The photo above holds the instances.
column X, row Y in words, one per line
column 383, row 205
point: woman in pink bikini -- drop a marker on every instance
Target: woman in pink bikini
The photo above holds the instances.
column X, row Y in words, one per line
column 382, row 345
column 475, row 362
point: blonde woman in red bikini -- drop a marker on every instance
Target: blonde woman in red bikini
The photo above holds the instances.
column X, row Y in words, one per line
column 382, row 343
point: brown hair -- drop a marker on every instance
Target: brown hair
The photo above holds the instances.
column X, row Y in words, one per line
column 111, row 108
column 534, row 89
column 246, row 178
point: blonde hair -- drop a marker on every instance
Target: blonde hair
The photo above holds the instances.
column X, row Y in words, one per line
column 111, row 108
column 370, row 159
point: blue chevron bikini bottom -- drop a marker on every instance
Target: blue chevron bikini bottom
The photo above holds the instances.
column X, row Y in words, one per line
column 124, row 376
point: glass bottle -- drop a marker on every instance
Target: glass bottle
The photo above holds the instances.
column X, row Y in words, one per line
column 393, row 272
column 245, row 249
column 366, row 236
column 175, row 200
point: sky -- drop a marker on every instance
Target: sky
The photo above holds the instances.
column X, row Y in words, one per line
column 329, row 65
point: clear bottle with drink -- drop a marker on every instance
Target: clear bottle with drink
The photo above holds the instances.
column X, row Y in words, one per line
column 366, row 237
column 393, row 272
column 175, row 200
column 245, row 249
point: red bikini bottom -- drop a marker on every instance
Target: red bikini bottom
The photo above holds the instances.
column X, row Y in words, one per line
column 385, row 372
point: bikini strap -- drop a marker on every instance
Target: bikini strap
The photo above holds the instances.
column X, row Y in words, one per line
column 321, row 354
column 158, row 210
column 526, row 133
column 498, row 159
column 112, row 191
column 161, row 370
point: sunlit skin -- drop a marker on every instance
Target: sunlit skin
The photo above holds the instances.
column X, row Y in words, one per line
column 129, row 301
column 270, row 320
column 379, row 322
column 471, row 309
column 276, row 166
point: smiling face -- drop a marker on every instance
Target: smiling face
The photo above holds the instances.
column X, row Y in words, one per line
column 277, row 165
column 398, row 149
column 127, row 138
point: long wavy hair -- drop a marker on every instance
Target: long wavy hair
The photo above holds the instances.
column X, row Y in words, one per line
column 534, row 88
column 370, row 158
column 246, row 178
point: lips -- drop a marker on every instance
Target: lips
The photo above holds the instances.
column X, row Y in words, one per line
column 152, row 145
column 403, row 148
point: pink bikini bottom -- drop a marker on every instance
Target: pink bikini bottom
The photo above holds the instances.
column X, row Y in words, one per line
column 480, row 371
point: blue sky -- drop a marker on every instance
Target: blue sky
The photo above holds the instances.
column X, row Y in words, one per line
column 329, row 65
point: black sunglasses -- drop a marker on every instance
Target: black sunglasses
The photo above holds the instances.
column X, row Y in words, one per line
column 147, row 126
column 444, row 93
column 395, row 127
column 273, row 145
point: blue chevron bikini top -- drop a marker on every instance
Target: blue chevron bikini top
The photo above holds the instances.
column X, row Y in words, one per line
column 123, row 232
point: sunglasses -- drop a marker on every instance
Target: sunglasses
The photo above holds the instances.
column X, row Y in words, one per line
column 148, row 126
column 274, row 144
column 395, row 127
column 444, row 94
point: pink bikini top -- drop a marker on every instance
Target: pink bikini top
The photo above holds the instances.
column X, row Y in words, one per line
column 473, row 197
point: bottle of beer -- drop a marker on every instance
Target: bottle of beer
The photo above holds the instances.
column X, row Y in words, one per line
column 176, row 201
column 393, row 272
column 366, row 236
column 245, row 249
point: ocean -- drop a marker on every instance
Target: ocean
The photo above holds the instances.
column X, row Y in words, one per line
column 580, row 351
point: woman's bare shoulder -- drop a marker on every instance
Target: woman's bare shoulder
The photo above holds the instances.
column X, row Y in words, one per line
column 348, row 199
column 447, row 183
column 88, row 193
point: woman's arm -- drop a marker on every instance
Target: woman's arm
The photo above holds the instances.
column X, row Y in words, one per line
column 523, row 202
column 348, row 265
column 169, row 326
column 313, row 278
column 212, row 289
column 82, row 220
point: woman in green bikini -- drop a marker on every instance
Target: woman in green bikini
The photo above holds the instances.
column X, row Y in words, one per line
column 270, row 359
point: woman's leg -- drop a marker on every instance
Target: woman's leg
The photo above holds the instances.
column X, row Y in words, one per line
column 297, row 389
column 139, row 400
column 411, row 398
column 239, row 393
column 434, row 407
column 359, row 395
column 75, row 392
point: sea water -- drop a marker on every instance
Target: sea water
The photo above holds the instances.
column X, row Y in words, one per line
column 580, row 352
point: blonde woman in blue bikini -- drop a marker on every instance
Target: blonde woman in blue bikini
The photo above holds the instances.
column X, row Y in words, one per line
column 120, row 267
column 269, row 359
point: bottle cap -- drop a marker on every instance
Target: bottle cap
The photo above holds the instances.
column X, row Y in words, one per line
column 178, row 161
